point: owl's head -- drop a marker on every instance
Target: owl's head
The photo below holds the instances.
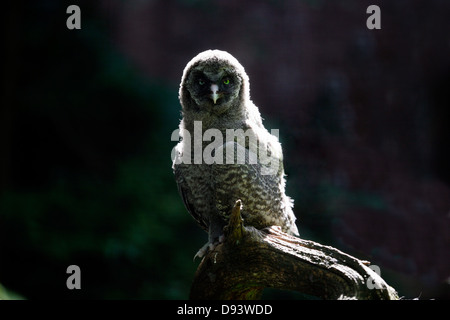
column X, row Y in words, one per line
column 214, row 82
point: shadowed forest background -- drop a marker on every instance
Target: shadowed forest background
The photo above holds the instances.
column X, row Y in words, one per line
column 86, row 119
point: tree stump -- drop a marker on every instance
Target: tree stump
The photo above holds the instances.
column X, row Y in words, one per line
column 250, row 260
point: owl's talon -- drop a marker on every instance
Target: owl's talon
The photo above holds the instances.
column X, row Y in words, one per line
column 202, row 251
column 209, row 246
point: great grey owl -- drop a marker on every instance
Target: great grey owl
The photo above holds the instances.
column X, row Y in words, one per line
column 225, row 153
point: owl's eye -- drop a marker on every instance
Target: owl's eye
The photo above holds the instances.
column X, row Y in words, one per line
column 201, row 82
column 226, row 81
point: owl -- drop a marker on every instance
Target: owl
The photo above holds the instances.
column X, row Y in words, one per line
column 225, row 153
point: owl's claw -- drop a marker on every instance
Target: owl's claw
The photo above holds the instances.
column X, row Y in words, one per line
column 209, row 246
column 201, row 253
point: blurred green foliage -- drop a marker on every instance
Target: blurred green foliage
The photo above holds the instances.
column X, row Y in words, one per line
column 8, row 295
column 91, row 182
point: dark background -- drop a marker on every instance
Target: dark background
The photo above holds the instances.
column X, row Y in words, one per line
column 87, row 115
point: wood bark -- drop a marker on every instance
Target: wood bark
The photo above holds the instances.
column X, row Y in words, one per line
column 250, row 260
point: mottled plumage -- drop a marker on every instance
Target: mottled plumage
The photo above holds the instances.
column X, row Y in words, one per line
column 214, row 91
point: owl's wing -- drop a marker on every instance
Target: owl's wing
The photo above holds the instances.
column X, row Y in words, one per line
column 184, row 191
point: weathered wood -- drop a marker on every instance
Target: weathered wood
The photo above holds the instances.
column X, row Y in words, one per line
column 250, row 260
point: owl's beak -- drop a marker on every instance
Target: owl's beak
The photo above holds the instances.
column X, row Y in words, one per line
column 215, row 95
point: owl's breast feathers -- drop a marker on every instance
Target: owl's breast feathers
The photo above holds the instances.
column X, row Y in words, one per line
column 210, row 190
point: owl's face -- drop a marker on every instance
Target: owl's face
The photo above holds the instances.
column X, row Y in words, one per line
column 213, row 85
column 212, row 82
